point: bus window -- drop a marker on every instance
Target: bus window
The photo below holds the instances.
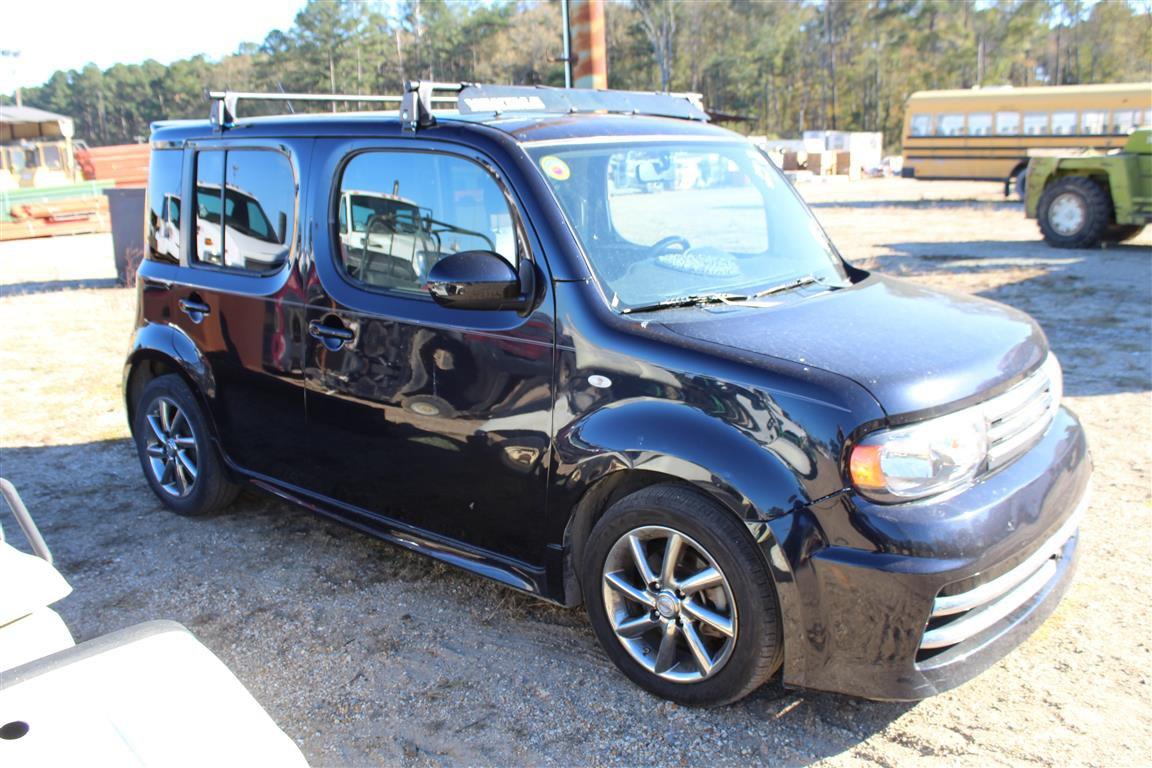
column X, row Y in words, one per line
column 1094, row 122
column 1035, row 123
column 1007, row 123
column 921, row 125
column 980, row 124
column 1063, row 123
column 1123, row 120
column 950, row 125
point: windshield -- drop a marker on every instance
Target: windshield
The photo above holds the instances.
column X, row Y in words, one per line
column 662, row 220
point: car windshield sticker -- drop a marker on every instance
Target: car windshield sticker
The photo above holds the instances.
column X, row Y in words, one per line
column 555, row 168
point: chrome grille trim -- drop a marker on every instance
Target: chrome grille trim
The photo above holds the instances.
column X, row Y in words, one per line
column 992, row 601
column 1018, row 417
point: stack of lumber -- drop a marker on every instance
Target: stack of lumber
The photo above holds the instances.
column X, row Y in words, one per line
column 69, row 210
column 126, row 164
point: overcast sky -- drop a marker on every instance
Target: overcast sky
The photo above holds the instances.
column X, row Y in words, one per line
column 69, row 34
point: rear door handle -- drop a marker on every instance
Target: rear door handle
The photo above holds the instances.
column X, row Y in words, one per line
column 196, row 310
column 332, row 337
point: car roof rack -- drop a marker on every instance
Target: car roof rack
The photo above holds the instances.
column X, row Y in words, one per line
column 420, row 96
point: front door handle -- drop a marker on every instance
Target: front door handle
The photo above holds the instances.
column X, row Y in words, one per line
column 195, row 309
column 331, row 336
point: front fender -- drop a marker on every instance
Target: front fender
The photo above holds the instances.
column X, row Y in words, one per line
column 681, row 441
column 749, row 477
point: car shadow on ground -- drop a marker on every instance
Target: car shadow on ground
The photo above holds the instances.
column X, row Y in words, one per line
column 52, row 286
column 1092, row 304
column 264, row 570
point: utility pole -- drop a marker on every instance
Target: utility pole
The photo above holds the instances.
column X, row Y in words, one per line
column 567, row 43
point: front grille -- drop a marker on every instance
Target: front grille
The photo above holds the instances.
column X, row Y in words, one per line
column 958, row 616
column 1017, row 418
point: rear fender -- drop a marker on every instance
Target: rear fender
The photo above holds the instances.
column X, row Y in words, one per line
column 167, row 346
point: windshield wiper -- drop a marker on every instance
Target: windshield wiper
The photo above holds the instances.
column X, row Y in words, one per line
column 693, row 300
column 797, row 283
column 700, row 299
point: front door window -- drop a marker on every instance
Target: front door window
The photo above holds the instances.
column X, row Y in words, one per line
column 398, row 213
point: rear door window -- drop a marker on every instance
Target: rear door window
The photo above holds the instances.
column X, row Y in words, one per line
column 245, row 209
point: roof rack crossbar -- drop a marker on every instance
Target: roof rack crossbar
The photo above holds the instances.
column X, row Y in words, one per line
column 224, row 103
column 419, row 96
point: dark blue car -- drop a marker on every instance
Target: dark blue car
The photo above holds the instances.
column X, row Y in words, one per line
column 594, row 348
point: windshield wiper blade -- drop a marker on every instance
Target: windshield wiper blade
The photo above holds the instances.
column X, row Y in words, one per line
column 692, row 300
column 797, row 283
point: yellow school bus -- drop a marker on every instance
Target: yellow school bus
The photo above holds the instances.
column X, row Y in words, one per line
column 989, row 133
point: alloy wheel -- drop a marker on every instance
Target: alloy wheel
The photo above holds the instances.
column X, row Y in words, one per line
column 171, row 447
column 669, row 604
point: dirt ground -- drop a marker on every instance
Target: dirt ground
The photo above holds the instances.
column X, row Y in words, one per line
column 368, row 655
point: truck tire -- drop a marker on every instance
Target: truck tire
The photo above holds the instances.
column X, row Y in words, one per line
column 1119, row 233
column 1074, row 212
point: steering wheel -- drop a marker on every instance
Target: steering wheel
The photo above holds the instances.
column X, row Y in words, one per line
column 665, row 243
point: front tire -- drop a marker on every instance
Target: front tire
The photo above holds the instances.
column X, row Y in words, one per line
column 680, row 599
column 176, row 452
column 1074, row 212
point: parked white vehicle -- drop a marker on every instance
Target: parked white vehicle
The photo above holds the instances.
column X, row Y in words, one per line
column 150, row 694
column 250, row 240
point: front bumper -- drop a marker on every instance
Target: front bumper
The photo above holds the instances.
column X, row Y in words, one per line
column 905, row 601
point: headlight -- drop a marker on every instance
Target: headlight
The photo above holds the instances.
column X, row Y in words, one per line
column 937, row 455
column 922, row 459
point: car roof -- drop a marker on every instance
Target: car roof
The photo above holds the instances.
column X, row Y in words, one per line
column 524, row 127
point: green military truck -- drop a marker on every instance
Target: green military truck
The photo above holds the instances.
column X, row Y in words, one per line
column 1081, row 201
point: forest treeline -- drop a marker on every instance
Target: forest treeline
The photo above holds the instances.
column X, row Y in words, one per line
column 783, row 66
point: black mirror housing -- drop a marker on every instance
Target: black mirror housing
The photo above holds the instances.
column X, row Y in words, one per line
column 475, row 280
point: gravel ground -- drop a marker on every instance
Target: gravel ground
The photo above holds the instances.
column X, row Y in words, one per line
column 367, row 654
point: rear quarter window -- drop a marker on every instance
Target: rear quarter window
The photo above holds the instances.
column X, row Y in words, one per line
column 164, row 175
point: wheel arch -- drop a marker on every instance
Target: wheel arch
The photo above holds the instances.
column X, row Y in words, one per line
column 158, row 350
column 622, row 449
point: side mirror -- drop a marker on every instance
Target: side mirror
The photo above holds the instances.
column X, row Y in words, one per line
column 282, row 227
column 475, row 280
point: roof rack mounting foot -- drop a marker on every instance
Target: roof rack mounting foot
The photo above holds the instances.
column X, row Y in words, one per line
column 416, row 105
column 223, row 113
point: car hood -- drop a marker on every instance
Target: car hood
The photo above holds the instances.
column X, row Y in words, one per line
column 915, row 349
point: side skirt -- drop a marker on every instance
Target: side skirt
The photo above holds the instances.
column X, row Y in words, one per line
column 504, row 570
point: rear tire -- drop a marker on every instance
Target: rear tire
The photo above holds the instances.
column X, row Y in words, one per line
column 704, row 631
column 1022, row 184
column 176, row 451
column 1074, row 212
